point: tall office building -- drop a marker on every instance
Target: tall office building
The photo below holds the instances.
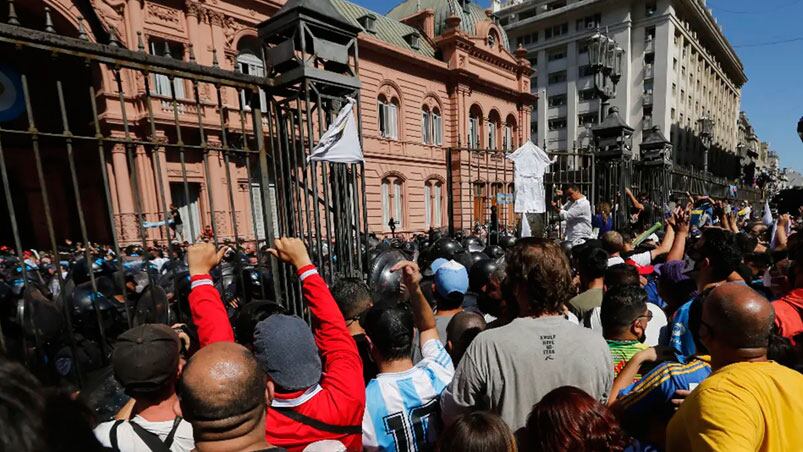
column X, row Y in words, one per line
column 679, row 67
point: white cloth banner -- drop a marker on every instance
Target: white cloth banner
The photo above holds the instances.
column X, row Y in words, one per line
column 530, row 163
column 525, row 227
column 341, row 142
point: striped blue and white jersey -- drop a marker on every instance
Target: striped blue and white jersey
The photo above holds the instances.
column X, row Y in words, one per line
column 402, row 409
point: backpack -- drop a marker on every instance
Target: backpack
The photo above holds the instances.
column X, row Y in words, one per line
column 154, row 443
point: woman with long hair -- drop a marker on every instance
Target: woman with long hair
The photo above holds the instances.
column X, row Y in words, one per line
column 567, row 419
column 603, row 220
column 479, row 431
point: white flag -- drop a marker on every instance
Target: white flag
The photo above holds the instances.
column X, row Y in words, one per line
column 341, row 142
column 767, row 220
column 525, row 227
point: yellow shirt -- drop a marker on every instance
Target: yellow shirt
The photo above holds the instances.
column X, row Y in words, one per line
column 741, row 407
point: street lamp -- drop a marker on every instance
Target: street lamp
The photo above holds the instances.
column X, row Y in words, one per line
column 706, row 134
column 800, row 128
column 606, row 59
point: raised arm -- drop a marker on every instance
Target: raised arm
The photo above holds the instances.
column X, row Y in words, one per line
column 780, row 233
column 633, row 199
column 681, row 219
column 342, row 366
column 667, row 242
column 208, row 313
column 422, row 313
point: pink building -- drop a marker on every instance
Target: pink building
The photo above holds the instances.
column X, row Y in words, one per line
column 434, row 77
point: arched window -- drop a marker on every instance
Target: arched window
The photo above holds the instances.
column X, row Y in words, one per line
column 474, row 122
column 388, row 117
column 437, row 127
column 392, row 201
column 431, row 123
column 509, row 138
column 250, row 64
column 493, row 38
column 493, row 128
column 433, row 203
column 426, row 125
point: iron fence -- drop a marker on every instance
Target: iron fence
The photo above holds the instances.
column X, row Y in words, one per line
column 109, row 138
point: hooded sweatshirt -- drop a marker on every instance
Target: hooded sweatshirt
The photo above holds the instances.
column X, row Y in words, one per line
column 789, row 314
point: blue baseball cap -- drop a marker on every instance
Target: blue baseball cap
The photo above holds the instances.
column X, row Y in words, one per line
column 451, row 277
column 434, row 266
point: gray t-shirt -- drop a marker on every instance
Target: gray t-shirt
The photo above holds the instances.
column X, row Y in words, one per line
column 508, row 369
column 441, row 322
column 585, row 302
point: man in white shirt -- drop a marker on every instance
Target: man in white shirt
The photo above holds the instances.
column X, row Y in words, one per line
column 577, row 215
column 147, row 365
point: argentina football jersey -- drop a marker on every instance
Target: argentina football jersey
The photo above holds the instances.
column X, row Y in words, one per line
column 402, row 411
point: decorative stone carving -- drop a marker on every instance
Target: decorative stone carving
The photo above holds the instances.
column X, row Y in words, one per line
column 162, row 15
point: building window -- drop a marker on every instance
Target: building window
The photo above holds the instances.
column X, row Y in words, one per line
column 474, row 128
column 433, row 203
column 585, row 71
column 437, row 127
column 556, row 54
column 587, row 94
column 557, row 124
column 557, row 100
column 161, row 82
column 583, row 48
column 557, row 30
column 507, row 142
column 392, row 201
column 590, row 22
column 250, row 64
column 426, row 125
column 493, row 127
column 388, row 118
column 493, row 39
column 587, row 118
column 557, row 77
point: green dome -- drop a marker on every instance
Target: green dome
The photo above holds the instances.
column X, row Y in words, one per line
column 470, row 15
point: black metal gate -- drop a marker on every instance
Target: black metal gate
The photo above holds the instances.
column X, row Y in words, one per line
column 100, row 123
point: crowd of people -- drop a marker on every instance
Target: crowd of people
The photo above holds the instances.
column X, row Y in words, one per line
column 681, row 336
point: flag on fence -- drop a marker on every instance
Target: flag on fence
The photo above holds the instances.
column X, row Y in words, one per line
column 525, row 227
column 341, row 142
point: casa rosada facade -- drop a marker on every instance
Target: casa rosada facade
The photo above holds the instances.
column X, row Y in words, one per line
column 435, row 74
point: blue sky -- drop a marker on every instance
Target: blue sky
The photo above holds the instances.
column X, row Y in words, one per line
column 773, row 96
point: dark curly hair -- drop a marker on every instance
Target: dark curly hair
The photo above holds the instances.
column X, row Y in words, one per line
column 542, row 266
column 567, row 419
column 720, row 247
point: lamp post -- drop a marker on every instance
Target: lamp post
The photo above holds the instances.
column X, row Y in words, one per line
column 706, row 135
column 800, row 128
column 606, row 59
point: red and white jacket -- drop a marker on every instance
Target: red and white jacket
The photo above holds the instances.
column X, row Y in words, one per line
column 337, row 402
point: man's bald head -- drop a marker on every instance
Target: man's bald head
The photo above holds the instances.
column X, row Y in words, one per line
column 462, row 329
column 222, row 384
column 740, row 317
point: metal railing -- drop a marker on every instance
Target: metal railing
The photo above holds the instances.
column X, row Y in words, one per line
column 96, row 156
